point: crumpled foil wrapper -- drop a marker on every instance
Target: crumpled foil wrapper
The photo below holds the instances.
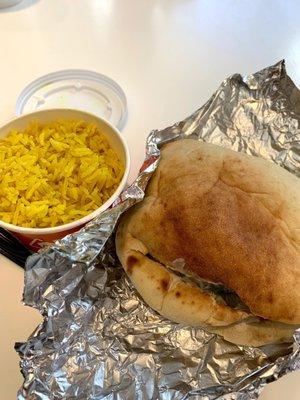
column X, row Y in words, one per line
column 98, row 339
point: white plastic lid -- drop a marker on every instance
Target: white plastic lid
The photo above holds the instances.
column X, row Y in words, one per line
column 79, row 89
column 8, row 3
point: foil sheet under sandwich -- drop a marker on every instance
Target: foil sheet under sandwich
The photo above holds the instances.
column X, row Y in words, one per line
column 98, row 339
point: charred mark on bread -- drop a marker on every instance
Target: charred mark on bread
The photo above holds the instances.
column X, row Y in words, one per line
column 131, row 262
column 270, row 298
column 165, row 283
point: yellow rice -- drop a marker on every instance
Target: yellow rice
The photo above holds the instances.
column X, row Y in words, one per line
column 55, row 173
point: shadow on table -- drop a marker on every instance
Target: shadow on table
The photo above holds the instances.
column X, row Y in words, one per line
column 20, row 6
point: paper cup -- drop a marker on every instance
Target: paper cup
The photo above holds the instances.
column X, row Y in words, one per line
column 35, row 238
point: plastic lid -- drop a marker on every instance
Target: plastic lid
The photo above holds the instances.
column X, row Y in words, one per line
column 8, row 3
column 79, row 89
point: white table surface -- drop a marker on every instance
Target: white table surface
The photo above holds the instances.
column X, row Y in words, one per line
column 168, row 55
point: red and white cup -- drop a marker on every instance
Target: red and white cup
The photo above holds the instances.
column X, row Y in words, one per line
column 35, row 238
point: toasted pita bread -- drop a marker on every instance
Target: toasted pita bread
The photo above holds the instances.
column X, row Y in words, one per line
column 234, row 220
column 187, row 304
column 164, row 291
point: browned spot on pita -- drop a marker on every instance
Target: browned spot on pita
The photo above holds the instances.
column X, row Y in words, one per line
column 131, row 263
column 177, row 294
column 164, row 283
column 270, row 298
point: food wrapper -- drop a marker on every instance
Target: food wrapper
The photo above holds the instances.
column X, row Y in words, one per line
column 98, row 339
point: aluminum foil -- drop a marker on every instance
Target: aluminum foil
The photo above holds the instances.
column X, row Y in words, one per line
column 98, row 339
